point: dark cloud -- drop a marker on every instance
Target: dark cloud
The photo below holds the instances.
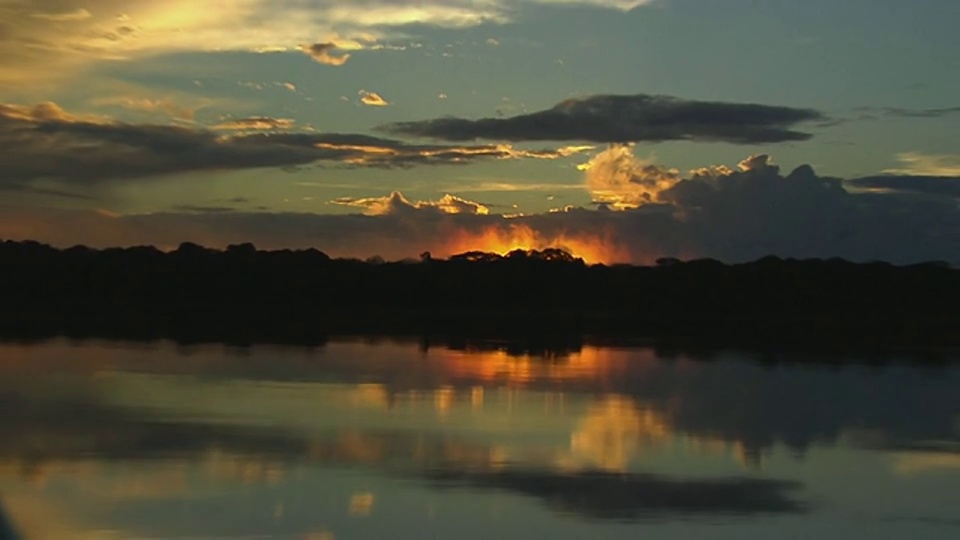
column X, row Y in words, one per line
column 19, row 188
column 44, row 142
column 201, row 208
column 57, row 149
column 934, row 185
column 630, row 496
column 718, row 213
column 613, row 118
column 900, row 112
column 323, row 53
column 732, row 215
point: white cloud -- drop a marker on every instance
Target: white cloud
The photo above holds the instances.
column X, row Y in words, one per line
column 41, row 45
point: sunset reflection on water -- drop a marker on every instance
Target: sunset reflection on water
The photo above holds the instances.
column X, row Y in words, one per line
column 127, row 441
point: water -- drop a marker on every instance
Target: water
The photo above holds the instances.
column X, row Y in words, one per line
column 395, row 440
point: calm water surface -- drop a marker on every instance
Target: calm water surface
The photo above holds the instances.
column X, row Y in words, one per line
column 397, row 440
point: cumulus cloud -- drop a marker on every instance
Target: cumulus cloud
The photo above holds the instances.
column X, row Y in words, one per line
column 616, row 177
column 323, row 53
column 372, row 99
column 627, row 118
column 396, row 203
column 731, row 214
column 46, row 143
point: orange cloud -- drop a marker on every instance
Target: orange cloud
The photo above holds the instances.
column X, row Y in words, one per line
column 321, row 53
column 163, row 105
column 257, row 123
column 372, row 99
column 616, row 177
column 46, row 111
column 397, row 203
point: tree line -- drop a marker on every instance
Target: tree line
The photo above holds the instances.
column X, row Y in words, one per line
column 242, row 294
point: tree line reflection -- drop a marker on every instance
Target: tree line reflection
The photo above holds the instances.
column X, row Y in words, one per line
column 591, row 420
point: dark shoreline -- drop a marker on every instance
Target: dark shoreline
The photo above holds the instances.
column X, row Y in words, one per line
column 242, row 296
column 550, row 348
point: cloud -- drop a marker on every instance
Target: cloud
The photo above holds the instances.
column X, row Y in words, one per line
column 78, row 14
column 900, row 112
column 256, row 123
column 729, row 214
column 948, row 186
column 376, row 152
column 917, row 163
column 46, row 111
column 396, row 203
column 64, row 38
column 916, row 463
column 44, row 143
column 166, row 106
column 920, row 173
column 622, row 5
column 372, row 99
column 626, row 118
column 321, row 52
column 488, row 186
column 201, row 209
column 717, row 212
column 616, row 177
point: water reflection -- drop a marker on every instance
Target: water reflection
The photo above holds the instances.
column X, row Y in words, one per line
column 130, row 440
column 6, row 528
column 601, row 495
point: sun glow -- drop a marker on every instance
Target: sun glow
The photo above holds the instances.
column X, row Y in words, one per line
column 593, row 249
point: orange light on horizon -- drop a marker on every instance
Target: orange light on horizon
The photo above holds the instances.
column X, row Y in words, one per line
column 591, row 248
column 596, row 364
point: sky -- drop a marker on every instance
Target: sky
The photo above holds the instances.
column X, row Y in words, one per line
column 620, row 130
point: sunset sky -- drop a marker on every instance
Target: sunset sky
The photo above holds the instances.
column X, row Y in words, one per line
column 622, row 130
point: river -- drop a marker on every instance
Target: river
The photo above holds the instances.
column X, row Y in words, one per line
column 381, row 438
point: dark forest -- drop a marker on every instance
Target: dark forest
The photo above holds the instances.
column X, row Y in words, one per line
column 242, row 295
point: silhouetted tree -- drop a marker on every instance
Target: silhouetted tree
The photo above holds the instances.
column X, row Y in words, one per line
column 244, row 294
